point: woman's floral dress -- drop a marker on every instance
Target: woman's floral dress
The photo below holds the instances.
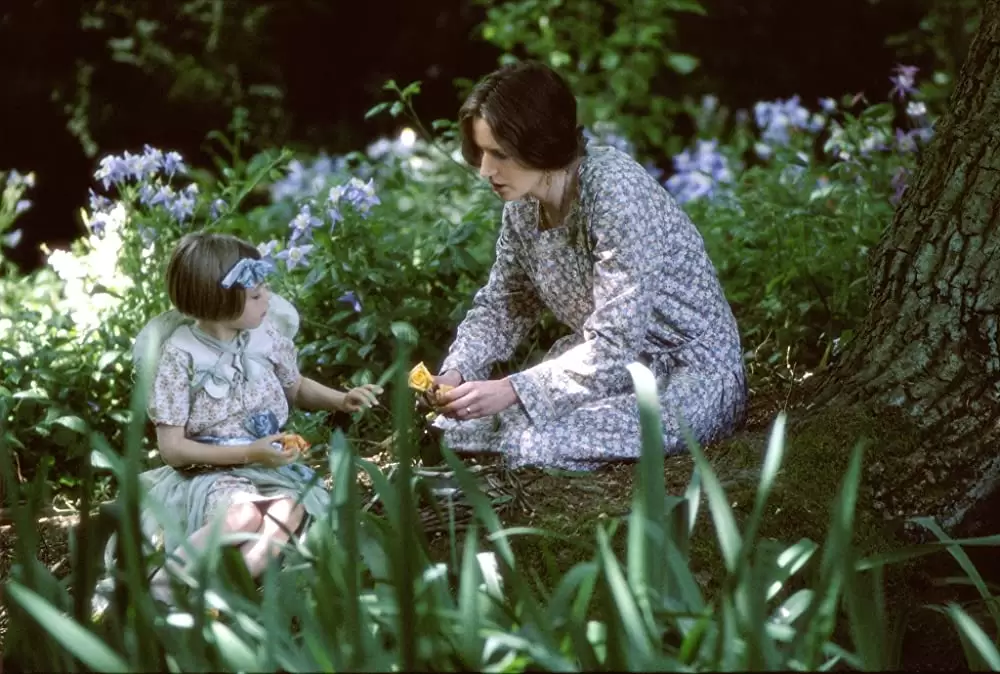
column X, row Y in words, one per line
column 628, row 273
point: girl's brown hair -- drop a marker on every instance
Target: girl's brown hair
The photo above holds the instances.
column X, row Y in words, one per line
column 195, row 272
column 531, row 112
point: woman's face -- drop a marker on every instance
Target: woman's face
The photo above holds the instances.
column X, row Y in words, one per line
column 508, row 178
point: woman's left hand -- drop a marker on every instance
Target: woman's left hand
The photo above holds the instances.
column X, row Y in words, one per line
column 475, row 399
column 361, row 397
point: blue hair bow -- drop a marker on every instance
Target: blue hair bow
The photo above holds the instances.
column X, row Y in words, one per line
column 248, row 273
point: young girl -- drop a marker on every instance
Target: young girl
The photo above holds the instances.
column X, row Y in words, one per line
column 225, row 377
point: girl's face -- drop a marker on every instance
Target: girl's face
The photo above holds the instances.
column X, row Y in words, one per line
column 254, row 309
column 508, row 178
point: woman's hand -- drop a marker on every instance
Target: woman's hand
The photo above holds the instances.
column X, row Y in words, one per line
column 433, row 397
column 361, row 397
column 476, row 399
column 262, row 451
column 451, row 378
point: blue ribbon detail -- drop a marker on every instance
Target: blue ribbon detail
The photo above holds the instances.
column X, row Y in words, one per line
column 248, row 273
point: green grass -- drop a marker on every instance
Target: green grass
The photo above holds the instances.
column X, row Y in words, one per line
column 701, row 565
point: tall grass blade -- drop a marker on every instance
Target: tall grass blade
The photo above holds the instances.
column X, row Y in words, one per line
column 520, row 591
column 768, row 473
column 980, row 651
column 837, row 560
column 66, row 632
column 627, row 610
column 469, row 604
column 646, row 525
column 730, row 541
column 346, row 507
column 968, row 567
column 403, row 555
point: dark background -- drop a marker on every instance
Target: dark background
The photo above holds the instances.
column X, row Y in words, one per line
column 332, row 58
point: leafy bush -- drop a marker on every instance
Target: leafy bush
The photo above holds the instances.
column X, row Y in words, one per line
column 610, row 52
column 391, row 244
column 398, row 256
column 808, row 197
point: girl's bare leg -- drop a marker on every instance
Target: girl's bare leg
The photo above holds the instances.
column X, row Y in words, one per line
column 240, row 517
column 273, row 533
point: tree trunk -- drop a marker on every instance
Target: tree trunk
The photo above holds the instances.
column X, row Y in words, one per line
column 929, row 344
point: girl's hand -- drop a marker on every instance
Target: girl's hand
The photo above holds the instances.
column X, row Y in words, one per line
column 263, row 452
column 361, row 397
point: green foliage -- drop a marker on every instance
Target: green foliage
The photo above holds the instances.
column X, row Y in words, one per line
column 792, row 220
column 12, row 206
column 362, row 594
column 612, row 54
column 407, row 266
column 203, row 52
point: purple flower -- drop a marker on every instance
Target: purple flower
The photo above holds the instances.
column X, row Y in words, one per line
column 21, row 206
column 302, row 224
column 350, row 298
column 153, row 157
column 173, row 163
column 165, row 195
column 12, row 239
column 306, row 181
column 698, row 173
column 99, row 203
column 147, row 193
column 905, row 142
column 267, row 249
column 217, row 208
column 115, row 170
column 360, row 195
column 182, row 207
column 112, row 170
column 335, row 216
column 778, row 118
column 687, row 187
column 876, row 141
column 99, row 223
column 903, row 80
column 16, row 179
column 828, row 104
column 607, row 133
column 295, row 256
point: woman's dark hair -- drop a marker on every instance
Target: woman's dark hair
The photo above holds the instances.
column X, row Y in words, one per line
column 531, row 112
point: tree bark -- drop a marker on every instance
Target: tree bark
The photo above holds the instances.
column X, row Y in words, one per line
column 929, row 343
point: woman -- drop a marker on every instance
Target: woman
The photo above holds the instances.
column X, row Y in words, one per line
column 588, row 234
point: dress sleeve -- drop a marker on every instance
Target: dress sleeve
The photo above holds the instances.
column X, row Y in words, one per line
column 284, row 356
column 170, row 395
column 619, row 220
column 503, row 312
